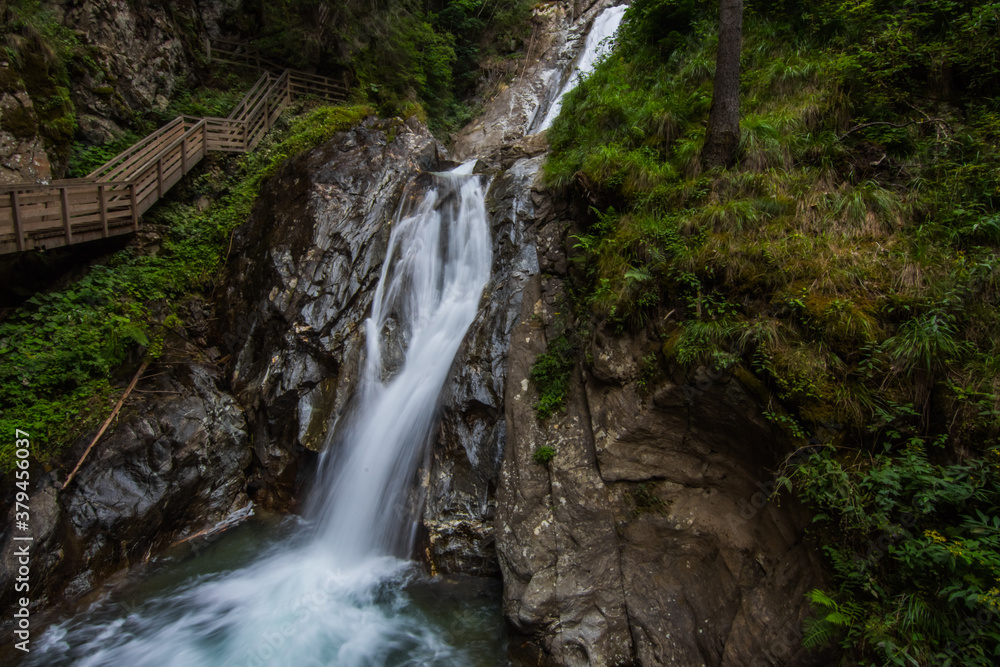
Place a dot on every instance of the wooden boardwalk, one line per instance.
(109, 200)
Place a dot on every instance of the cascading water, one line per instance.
(331, 592)
(605, 26)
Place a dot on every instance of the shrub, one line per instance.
(551, 375)
(543, 455)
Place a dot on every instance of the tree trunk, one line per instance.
(723, 135)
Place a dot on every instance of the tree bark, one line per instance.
(723, 136)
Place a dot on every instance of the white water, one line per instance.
(597, 44)
(332, 594)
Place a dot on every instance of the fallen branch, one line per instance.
(896, 125)
(107, 422)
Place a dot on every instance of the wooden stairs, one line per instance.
(109, 200)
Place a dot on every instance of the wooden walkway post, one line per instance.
(159, 178)
(64, 201)
(135, 206)
(102, 202)
(15, 207)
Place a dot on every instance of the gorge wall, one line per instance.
(647, 539)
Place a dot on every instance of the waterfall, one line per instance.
(331, 592)
(597, 44)
(437, 264)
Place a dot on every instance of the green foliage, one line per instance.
(59, 351)
(849, 260)
(400, 53)
(543, 455)
(85, 159)
(915, 548)
(551, 375)
(645, 500)
(925, 343)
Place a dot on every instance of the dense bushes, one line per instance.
(849, 260)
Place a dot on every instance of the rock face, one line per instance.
(465, 460)
(140, 55)
(173, 464)
(558, 32)
(648, 539)
(305, 270)
(22, 155)
(133, 57)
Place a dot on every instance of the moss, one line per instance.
(543, 455)
(48, 88)
(104, 90)
(10, 80)
(19, 121)
(753, 384)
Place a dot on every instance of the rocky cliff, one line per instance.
(86, 70)
(650, 537)
(303, 273)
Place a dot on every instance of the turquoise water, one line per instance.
(399, 616)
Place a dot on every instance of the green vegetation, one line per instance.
(848, 261)
(86, 158)
(645, 500)
(543, 455)
(59, 351)
(551, 374)
(403, 55)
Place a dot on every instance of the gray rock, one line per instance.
(649, 538)
(557, 31)
(300, 285)
(172, 465)
(465, 460)
(22, 158)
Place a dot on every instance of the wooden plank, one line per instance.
(102, 201)
(16, 213)
(137, 152)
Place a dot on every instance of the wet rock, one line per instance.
(296, 295)
(556, 533)
(465, 461)
(173, 463)
(558, 34)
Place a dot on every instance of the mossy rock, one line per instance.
(19, 121)
(104, 90)
(752, 384)
(10, 80)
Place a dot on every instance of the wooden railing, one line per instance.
(109, 200)
(244, 54)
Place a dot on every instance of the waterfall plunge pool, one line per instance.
(411, 618)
